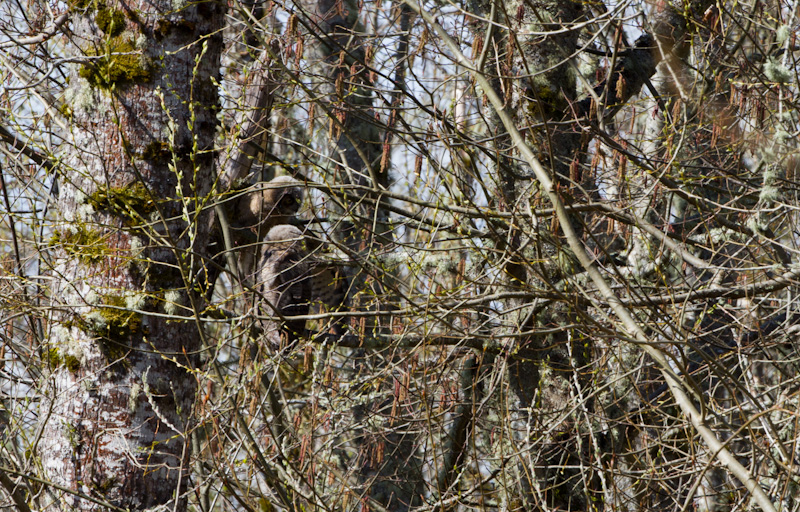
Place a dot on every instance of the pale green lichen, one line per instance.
(137, 247)
(137, 257)
(92, 297)
(133, 398)
(446, 263)
(777, 72)
(141, 41)
(81, 98)
(770, 192)
(173, 302)
(61, 334)
(95, 322)
(80, 197)
(84, 212)
(782, 34)
(69, 345)
(136, 300)
(756, 224)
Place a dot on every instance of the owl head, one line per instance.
(270, 203)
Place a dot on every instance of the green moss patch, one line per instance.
(72, 363)
(157, 152)
(132, 201)
(121, 64)
(55, 359)
(114, 324)
(85, 243)
(120, 322)
(165, 27)
(110, 21)
(85, 4)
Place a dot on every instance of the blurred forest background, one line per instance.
(399, 256)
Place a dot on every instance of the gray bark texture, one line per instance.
(127, 251)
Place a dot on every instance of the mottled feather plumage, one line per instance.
(265, 205)
(284, 280)
(292, 281)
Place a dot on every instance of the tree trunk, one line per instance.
(127, 248)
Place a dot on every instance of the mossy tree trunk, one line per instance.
(126, 256)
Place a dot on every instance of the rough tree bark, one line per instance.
(128, 244)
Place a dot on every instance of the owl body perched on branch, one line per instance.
(291, 282)
(284, 281)
(259, 209)
(241, 223)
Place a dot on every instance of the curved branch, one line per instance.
(41, 37)
(677, 387)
